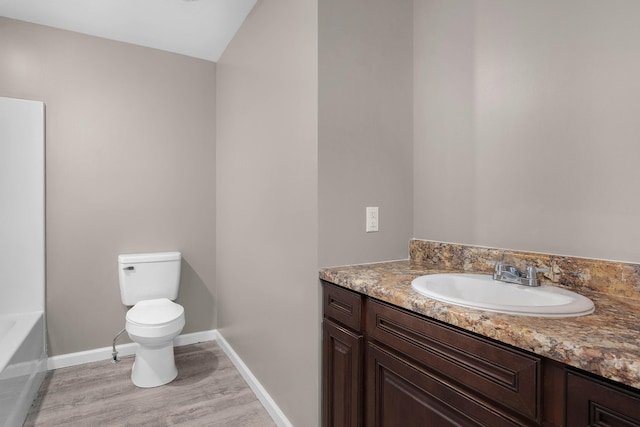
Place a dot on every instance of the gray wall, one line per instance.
(130, 146)
(526, 125)
(365, 128)
(267, 207)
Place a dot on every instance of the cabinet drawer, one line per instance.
(510, 377)
(342, 305)
(592, 402)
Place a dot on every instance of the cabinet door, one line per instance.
(594, 403)
(341, 376)
(497, 374)
(400, 394)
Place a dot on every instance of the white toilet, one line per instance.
(149, 283)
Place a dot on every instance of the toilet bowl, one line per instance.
(153, 324)
(149, 283)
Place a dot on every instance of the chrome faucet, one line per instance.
(510, 274)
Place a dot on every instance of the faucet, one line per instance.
(510, 274)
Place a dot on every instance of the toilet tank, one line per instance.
(148, 276)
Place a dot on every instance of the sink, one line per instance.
(481, 292)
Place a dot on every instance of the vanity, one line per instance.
(392, 357)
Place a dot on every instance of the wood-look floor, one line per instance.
(209, 391)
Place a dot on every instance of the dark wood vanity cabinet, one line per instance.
(342, 358)
(385, 367)
(595, 403)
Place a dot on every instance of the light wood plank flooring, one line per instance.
(209, 391)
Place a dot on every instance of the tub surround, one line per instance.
(605, 343)
(22, 255)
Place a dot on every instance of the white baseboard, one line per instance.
(104, 353)
(269, 404)
(195, 337)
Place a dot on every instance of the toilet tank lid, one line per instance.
(148, 257)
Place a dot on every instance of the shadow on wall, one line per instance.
(197, 300)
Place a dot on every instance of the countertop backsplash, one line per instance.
(610, 277)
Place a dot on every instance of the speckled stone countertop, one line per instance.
(606, 343)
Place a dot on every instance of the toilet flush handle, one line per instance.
(128, 268)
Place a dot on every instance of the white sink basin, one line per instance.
(480, 291)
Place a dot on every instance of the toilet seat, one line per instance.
(155, 320)
(154, 312)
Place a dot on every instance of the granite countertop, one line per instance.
(606, 343)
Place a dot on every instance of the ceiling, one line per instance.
(198, 28)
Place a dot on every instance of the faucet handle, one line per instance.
(501, 267)
(533, 270)
(531, 275)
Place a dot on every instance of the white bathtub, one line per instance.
(22, 364)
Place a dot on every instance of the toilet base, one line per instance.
(154, 365)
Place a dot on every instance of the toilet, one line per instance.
(149, 283)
